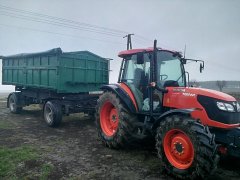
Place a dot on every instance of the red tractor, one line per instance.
(190, 125)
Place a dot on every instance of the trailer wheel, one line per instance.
(13, 103)
(52, 113)
(116, 126)
(186, 148)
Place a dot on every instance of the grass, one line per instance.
(5, 125)
(46, 169)
(11, 157)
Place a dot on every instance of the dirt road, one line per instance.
(74, 151)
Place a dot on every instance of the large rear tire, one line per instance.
(52, 113)
(13, 103)
(115, 124)
(186, 148)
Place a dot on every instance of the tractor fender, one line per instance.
(121, 94)
(170, 113)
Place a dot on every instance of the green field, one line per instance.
(14, 160)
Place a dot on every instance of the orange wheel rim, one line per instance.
(178, 149)
(109, 119)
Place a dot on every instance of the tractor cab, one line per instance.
(139, 70)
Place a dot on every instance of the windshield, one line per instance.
(169, 70)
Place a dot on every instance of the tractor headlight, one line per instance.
(238, 107)
(225, 106)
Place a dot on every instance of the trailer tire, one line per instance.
(116, 126)
(13, 103)
(186, 148)
(52, 113)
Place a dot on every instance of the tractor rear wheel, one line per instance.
(186, 148)
(115, 124)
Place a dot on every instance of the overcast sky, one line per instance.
(210, 30)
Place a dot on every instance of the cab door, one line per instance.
(136, 76)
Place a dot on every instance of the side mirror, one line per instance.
(201, 67)
(184, 61)
(140, 58)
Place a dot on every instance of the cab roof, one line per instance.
(135, 51)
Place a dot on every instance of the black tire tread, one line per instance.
(125, 134)
(16, 96)
(205, 157)
(56, 107)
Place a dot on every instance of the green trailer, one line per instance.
(63, 82)
(71, 72)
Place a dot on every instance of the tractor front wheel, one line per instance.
(115, 124)
(186, 148)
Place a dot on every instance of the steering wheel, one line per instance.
(163, 75)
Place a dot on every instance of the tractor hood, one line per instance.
(210, 93)
(205, 103)
(185, 96)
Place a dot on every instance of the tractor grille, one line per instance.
(216, 114)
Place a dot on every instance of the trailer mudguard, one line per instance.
(122, 95)
(172, 112)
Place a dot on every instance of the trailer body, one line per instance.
(54, 70)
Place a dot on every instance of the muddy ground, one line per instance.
(75, 152)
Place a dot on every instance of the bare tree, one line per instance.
(194, 83)
(221, 84)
